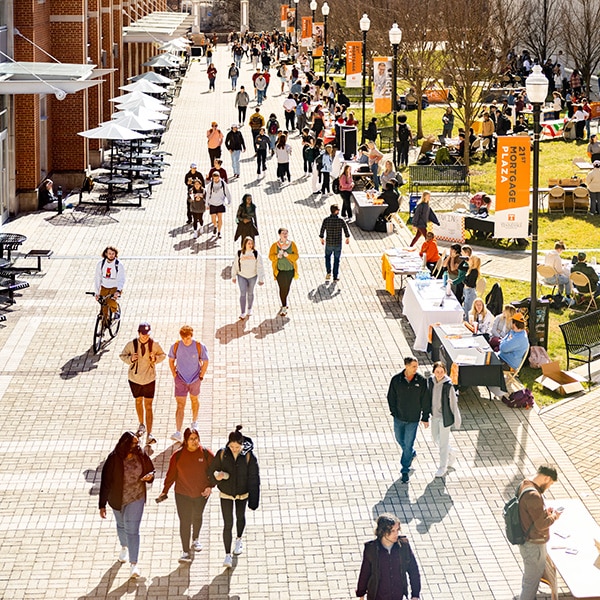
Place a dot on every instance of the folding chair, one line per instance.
(547, 272)
(556, 199)
(581, 281)
(511, 377)
(581, 199)
(439, 265)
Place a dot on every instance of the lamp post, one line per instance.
(313, 8)
(537, 91)
(395, 35)
(365, 24)
(325, 12)
(296, 23)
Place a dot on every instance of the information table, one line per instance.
(366, 211)
(402, 262)
(424, 304)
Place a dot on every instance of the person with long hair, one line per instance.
(246, 219)
(109, 280)
(283, 151)
(422, 216)
(327, 166)
(388, 564)
(284, 258)
(235, 472)
(501, 326)
(125, 474)
(189, 470)
(346, 187)
(481, 320)
(247, 268)
(470, 289)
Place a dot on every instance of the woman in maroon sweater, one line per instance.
(188, 470)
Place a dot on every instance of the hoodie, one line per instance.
(444, 403)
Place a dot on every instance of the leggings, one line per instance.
(421, 231)
(325, 185)
(240, 517)
(283, 169)
(242, 113)
(189, 511)
(197, 218)
(284, 281)
(346, 203)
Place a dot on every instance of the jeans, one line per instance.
(284, 281)
(534, 563)
(237, 61)
(336, 251)
(563, 282)
(375, 171)
(403, 148)
(233, 82)
(211, 83)
(235, 161)
(595, 203)
(246, 291)
(260, 96)
(240, 517)
(189, 511)
(469, 295)
(128, 527)
(441, 438)
(273, 141)
(406, 434)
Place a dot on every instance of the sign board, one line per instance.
(306, 36)
(451, 227)
(318, 38)
(354, 64)
(284, 16)
(382, 84)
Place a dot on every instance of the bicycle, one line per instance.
(104, 325)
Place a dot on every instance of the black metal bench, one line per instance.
(455, 177)
(9, 286)
(582, 339)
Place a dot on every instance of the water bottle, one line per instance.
(448, 288)
(59, 200)
(445, 278)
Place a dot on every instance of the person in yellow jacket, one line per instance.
(284, 256)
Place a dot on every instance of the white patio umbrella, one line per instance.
(140, 111)
(168, 61)
(152, 77)
(175, 46)
(144, 86)
(146, 102)
(131, 96)
(136, 123)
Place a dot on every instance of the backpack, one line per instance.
(403, 132)
(319, 162)
(116, 264)
(519, 399)
(335, 185)
(135, 345)
(273, 127)
(494, 301)
(198, 348)
(512, 519)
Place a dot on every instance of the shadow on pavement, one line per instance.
(324, 292)
(83, 363)
(180, 230)
(312, 201)
(218, 588)
(270, 326)
(231, 331)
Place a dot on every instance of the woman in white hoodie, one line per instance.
(247, 268)
(444, 414)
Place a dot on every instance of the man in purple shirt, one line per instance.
(188, 360)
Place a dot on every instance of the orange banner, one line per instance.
(306, 36)
(318, 38)
(512, 187)
(284, 16)
(291, 19)
(382, 84)
(353, 64)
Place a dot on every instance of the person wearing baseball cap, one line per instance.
(592, 182)
(142, 354)
(190, 177)
(582, 267)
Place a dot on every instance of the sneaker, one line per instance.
(228, 562)
(141, 430)
(116, 315)
(135, 572)
(451, 460)
(214, 230)
(219, 235)
(150, 439)
(195, 234)
(328, 277)
(441, 472)
(194, 425)
(185, 557)
(176, 437)
(196, 546)
(249, 313)
(404, 477)
(239, 546)
(242, 316)
(123, 555)
(282, 311)
(336, 278)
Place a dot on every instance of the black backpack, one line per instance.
(335, 185)
(403, 132)
(319, 162)
(512, 519)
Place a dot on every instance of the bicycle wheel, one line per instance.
(98, 334)
(113, 327)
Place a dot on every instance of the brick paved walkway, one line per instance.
(310, 389)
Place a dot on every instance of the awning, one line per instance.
(158, 27)
(46, 78)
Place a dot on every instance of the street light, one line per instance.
(313, 8)
(537, 91)
(296, 23)
(365, 24)
(395, 34)
(325, 11)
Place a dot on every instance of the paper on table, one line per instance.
(455, 329)
(465, 359)
(466, 342)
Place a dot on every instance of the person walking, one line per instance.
(346, 187)
(261, 145)
(284, 258)
(326, 168)
(422, 216)
(189, 470)
(331, 237)
(233, 74)
(109, 280)
(283, 151)
(142, 354)
(211, 73)
(188, 361)
(246, 219)
(234, 142)
(289, 106)
(260, 84)
(256, 122)
(197, 206)
(444, 413)
(247, 268)
(214, 137)
(409, 404)
(404, 140)
(217, 197)
(593, 183)
(242, 99)
(388, 564)
(125, 474)
(190, 177)
(235, 472)
(273, 130)
(536, 521)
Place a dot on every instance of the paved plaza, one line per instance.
(310, 389)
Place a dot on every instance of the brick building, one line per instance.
(87, 48)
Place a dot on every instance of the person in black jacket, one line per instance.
(409, 404)
(234, 471)
(234, 142)
(422, 216)
(125, 474)
(386, 563)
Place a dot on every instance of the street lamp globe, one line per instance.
(537, 86)
(365, 23)
(313, 5)
(296, 1)
(395, 34)
(325, 9)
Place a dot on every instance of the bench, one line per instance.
(9, 286)
(427, 176)
(582, 339)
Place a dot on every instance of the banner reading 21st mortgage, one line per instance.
(512, 187)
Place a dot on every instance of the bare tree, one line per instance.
(508, 21)
(540, 23)
(582, 36)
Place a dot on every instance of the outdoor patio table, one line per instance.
(366, 211)
(10, 242)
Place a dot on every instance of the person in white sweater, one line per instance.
(561, 278)
(593, 183)
(247, 268)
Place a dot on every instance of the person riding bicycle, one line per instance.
(109, 281)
